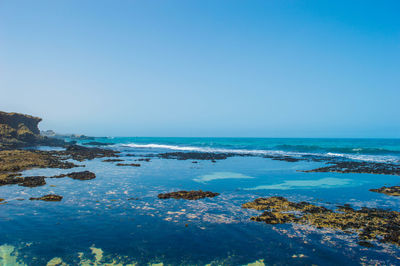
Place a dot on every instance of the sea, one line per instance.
(117, 218)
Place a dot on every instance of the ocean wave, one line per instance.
(342, 150)
(358, 157)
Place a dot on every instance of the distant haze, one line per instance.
(204, 68)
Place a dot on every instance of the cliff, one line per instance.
(20, 130)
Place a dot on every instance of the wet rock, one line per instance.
(85, 175)
(196, 155)
(49, 197)
(13, 162)
(96, 143)
(143, 160)
(128, 164)
(360, 167)
(113, 160)
(188, 195)
(81, 153)
(1, 200)
(390, 191)
(33, 181)
(284, 158)
(369, 223)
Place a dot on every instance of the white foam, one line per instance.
(360, 157)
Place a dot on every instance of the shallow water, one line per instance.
(117, 217)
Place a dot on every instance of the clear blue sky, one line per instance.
(204, 68)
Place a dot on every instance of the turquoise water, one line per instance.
(117, 217)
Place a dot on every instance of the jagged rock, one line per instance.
(20, 130)
(189, 195)
(49, 197)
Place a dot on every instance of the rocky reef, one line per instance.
(49, 197)
(369, 223)
(360, 167)
(390, 191)
(13, 162)
(84, 175)
(188, 195)
(80, 153)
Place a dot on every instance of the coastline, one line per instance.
(20, 151)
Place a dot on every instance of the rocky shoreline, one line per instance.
(371, 224)
(19, 133)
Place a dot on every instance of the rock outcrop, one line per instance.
(50, 197)
(390, 191)
(20, 130)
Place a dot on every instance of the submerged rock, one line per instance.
(128, 164)
(49, 197)
(189, 195)
(369, 223)
(143, 160)
(390, 191)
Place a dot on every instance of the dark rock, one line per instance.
(81, 153)
(143, 160)
(96, 143)
(189, 195)
(360, 167)
(85, 175)
(366, 244)
(113, 160)
(33, 181)
(196, 155)
(128, 164)
(49, 197)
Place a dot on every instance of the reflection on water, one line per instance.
(117, 217)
